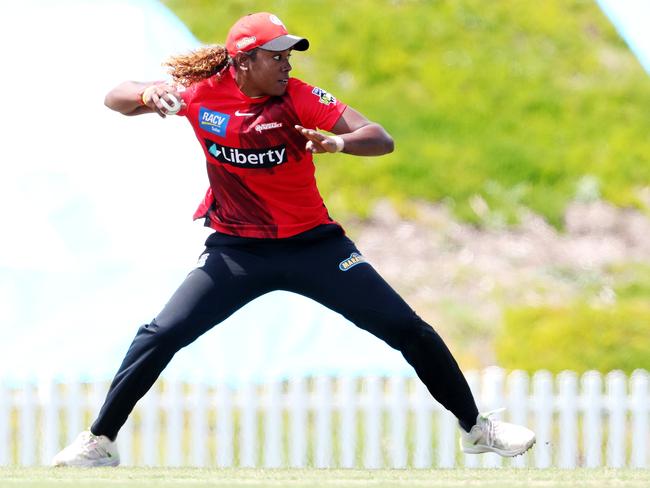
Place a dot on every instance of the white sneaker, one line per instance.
(489, 435)
(87, 451)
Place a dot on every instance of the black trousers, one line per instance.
(319, 264)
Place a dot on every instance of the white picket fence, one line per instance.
(368, 422)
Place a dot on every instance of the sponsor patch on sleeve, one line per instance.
(324, 97)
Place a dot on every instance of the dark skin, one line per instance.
(264, 73)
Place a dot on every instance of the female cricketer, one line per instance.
(259, 129)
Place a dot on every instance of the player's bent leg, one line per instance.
(207, 296)
(350, 286)
(434, 364)
(424, 349)
(334, 273)
(194, 309)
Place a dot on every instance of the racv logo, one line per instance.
(247, 158)
(213, 121)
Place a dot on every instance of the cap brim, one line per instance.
(285, 42)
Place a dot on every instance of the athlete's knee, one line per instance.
(421, 331)
(400, 331)
(168, 335)
(416, 332)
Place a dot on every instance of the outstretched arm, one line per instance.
(136, 98)
(355, 134)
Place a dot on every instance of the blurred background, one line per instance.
(517, 199)
(514, 214)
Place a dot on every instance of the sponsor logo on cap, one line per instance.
(246, 41)
(275, 20)
(354, 259)
(270, 125)
(265, 157)
(213, 121)
(324, 97)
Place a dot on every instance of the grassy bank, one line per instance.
(494, 106)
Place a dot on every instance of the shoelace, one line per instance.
(89, 444)
(489, 427)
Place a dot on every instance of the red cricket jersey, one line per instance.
(262, 181)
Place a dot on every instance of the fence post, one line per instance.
(248, 443)
(298, 417)
(492, 398)
(517, 402)
(199, 423)
(225, 436)
(447, 447)
(98, 391)
(49, 399)
(323, 449)
(27, 424)
(348, 401)
(640, 404)
(174, 402)
(592, 426)
(95, 399)
(5, 407)
(616, 403)
(149, 415)
(568, 403)
(372, 426)
(125, 442)
(543, 402)
(273, 417)
(398, 411)
(423, 414)
(74, 411)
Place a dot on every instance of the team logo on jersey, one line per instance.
(270, 125)
(354, 259)
(213, 121)
(324, 97)
(247, 158)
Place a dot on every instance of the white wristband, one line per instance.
(340, 143)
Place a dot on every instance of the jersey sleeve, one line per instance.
(316, 108)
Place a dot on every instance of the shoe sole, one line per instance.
(100, 464)
(500, 452)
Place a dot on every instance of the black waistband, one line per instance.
(317, 233)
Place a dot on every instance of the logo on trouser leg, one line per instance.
(202, 260)
(352, 261)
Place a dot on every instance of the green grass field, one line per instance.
(314, 478)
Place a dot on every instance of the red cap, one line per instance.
(263, 30)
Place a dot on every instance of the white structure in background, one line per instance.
(368, 422)
(96, 209)
(631, 18)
